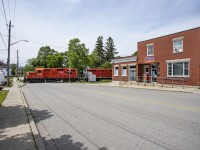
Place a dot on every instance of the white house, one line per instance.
(3, 68)
(2, 78)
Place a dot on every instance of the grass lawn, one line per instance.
(99, 82)
(3, 94)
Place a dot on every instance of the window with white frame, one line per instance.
(178, 45)
(124, 71)
(116, 71)
(150, 50)
(178, 69)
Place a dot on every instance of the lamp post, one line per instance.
(8, 63)
(18, 42)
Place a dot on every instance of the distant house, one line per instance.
(3, 68)
(2, 78)
(124, 68)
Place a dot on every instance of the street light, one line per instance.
(18, 42)
(8, 63)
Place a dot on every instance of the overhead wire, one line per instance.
(1, 11)
(3, 40)
(39, 42)
(9, 8)
(14, 11)
(5, 13)
(5, 17)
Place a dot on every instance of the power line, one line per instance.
(14, 11)
(3, 40)
(1, 11)
(38, 42)
(4, 13)
(9, 8)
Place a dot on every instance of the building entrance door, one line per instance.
(154, 69)
(132, 73)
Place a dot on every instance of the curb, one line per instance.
(36, 136)
(158, 89)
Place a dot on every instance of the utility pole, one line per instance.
(101, 66)
(8, 63)
(17, 66)
(69, 73)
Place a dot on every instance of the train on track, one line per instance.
(65, 75)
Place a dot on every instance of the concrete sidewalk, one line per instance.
(17, 129)
(174, 88)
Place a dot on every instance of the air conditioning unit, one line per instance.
(176, 50)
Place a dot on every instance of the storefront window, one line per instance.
(124, 71)
(115, 71)
(178, 69)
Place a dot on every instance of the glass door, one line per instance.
(154, 72)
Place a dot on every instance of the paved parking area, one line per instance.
(78, 116)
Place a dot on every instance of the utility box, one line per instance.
(91, 78)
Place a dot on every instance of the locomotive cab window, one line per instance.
(39, 71)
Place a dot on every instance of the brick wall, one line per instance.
(163, 50)
(120, 65)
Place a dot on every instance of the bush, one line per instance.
(1, 87)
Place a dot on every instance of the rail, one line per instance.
(152, 80)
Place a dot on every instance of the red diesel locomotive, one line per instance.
(63, 74)
(51, 74)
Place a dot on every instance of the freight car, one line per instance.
(101, 73)
(51, 74)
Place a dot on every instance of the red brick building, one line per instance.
(171, 57)
(124, 68)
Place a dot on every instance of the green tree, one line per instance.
(55, 60)
(33, 62)
(107, 65)
(99, 48)
(13, 69)
(28, 67)
(135, 53)
(94, 60)
(43, 54)
(77, 55)
(65, 59)
(110, 50)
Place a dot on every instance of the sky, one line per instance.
(55, 22)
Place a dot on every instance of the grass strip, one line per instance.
(3, 95)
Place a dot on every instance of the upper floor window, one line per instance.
(150, 50)
(115, 71)
(178, 45)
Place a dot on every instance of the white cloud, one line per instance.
(127, 22)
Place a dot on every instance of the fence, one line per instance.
(152, 80)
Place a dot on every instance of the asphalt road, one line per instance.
(91, 117)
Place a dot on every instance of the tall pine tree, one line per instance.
(99, 48)
(110, 50)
